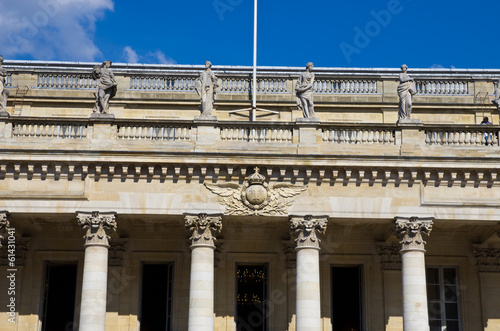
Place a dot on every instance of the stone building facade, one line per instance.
(352, 222)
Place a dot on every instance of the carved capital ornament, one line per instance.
(203, 228)
(410, 231)
(306, 229)
(98, 227)
(4, 224)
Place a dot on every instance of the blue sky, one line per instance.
(362, 33)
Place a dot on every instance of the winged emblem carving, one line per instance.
(255, 197)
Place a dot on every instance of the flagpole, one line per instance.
(254, 83)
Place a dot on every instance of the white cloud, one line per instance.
(51, 29)
(130, 55)
(162, 59)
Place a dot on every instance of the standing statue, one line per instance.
(406, 91)
(496, 100)
(107, 86)
(4, 94)
(206, 86)
(304, 91)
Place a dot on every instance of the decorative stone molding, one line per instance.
(22, 246)
(390, 258)
(306, 228)
(289, 250)
(255, 197)
(4, 223)
(98, 226)
(488, 258)
(410, 229)
(203, 228)
(117, 249)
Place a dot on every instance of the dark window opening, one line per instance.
(59, 297)
(157, 297)
(346, 299)
(251, 298)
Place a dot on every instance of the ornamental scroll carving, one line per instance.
(488, 258)
(306, 230)
(410, 231)
(98, 227)
(255, 197)
(203, 228)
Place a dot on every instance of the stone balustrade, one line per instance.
(347, 86)
(444, 87)
(54, 130)
(252, 133)
(66, 81)
(462, 136)
(349, 135)
(158, 132)
(162, 83)
(270, 80)
(256, 134)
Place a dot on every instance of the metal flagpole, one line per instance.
(254, 83)
(253, 111)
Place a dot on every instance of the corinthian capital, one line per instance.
(409, 230)
(98, 227)
(203, 228)
(306, 230)
(4, 224)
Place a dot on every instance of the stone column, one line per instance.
(203, 228)
(4, 224)
(308, 307)
(410, 231)
(98, 227)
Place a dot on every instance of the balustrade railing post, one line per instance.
(206, 132)
(309, 135)
(412, 136)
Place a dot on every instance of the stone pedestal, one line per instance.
(308, 304)
(201, 290)
(410, 231)
(98, 226)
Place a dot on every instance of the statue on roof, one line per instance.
(406, 91)
(4, 94)
(206, 86)
(106, 88)
(304, 91)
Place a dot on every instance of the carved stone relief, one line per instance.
(98, 227)
(410, 231)
(390, 258)
(255, 197)
(306, 230)
(203, 228)
(488, 258)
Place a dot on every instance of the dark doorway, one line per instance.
(346, 299)
(59, 297)
(156, 302)
(251, 296)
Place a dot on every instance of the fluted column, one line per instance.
(4, 224)
(410, 231)
(98, 227)
(308, 307)
(203, 229)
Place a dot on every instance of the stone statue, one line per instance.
(206, 86)
(304, 91)
(4, 94)
(406, 91)
(496, 100)
(107, 86)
